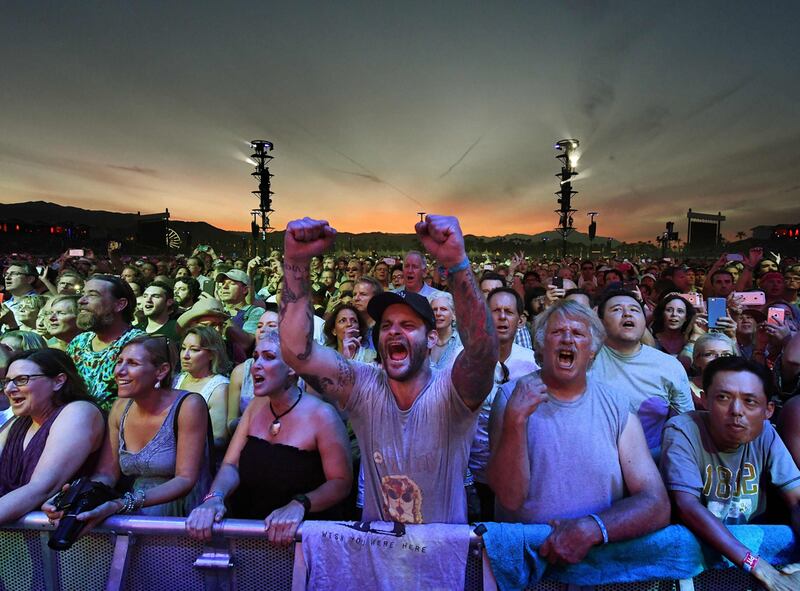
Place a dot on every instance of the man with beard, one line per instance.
(157, 308)
(105, 312)
(186, 292)
(413, 423)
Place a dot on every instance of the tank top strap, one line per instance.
(121, 433)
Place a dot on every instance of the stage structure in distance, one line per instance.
(260, 224)
(704, 232)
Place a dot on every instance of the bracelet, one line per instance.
(601, 525)
(138, 499)
(459, 267)
(212, 494)
(750, 561)
(305, 501)
(127, 503)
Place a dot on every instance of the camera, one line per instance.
(82, 495)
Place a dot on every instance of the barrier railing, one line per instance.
(137, 553)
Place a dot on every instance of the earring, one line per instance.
(157, 384)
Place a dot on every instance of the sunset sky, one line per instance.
(382, 109)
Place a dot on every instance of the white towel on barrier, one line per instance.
(384, 556)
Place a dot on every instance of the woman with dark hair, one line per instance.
(672, 316)
(345, 331)
(288, 459)
(41, 446)
(205, 368)
(157, 437)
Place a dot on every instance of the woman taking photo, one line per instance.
(41, 447)
(345, 332)
(448, 343)
(204, 369)
(288, 460)
(157, 438)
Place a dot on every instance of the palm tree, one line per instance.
(740, 235)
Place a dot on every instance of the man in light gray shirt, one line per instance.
(565, 447)
(655, 384)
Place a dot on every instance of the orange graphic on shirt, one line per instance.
(402, 498)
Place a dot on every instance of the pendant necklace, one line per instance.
(275, 427)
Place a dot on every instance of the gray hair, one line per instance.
(711, 337)
(573, 311)
(443, 295)
(416, 253)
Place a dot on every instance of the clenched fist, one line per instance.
(307, 238)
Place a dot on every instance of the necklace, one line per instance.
(275, 427)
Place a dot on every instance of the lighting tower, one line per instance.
(569, 158)
(260, 225)
(592, 230)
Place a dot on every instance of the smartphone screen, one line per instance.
(776, 316)
(717, 308)
(76, 252)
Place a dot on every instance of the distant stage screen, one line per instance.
(702, 234)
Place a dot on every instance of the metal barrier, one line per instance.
(136, 553)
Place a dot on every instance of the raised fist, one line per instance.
(307, 238)
(442, 238)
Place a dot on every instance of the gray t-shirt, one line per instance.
(655, 383)
(573, 451)
(729, 484)
(414, 460)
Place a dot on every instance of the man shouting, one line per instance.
(414, 424)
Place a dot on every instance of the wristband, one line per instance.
(459, 267)
(750, 561)
(212, 494)
(305, 501)
(601, 525)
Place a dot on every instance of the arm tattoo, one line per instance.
(332, 385)
(309, 335)
(473, 371)
(296, 288)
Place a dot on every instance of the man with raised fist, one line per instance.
(414, 424)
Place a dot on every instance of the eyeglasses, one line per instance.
(715, 354)
(17, 274)
(20, 380)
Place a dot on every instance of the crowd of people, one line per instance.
(606, 397)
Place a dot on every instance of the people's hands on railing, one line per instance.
(570, 540)
(785, 579)
(92, 518)
(201, 521)
(281, 525)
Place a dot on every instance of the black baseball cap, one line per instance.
(420, 304)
